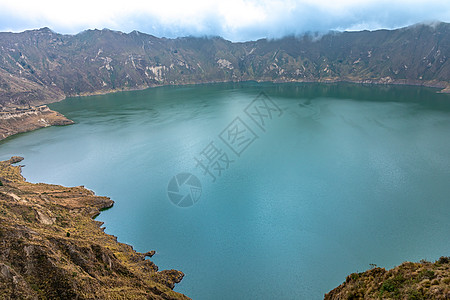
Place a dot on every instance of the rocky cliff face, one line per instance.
(17, 120)
(41, 66)
(51, 248)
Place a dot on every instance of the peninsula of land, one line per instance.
(15, 120)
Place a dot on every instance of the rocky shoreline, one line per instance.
(50, 247)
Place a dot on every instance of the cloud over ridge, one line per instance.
(237, 20)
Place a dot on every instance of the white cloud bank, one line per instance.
(236, 20)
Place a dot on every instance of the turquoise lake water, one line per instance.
(313, 183)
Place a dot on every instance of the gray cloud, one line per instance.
(237, 20)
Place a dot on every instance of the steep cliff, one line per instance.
(51, 248)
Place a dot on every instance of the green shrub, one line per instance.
(415, 295)
(442, 259)
(427, 274)
(392, 285)
(388, 286)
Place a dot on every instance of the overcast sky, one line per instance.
(236, 20)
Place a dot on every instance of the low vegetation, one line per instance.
(412, 281)
(51, 248)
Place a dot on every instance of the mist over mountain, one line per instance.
(41, 66)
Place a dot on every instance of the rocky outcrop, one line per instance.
(16, 120)
(424, 280)
(446, 90)
(150, 253)
(51, 248)
(15, 159)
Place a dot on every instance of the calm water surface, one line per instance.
(347, 176)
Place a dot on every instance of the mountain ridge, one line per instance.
(42, 66)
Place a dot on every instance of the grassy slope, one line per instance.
(424, 280)
(50, 247)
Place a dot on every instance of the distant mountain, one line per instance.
(41, 66)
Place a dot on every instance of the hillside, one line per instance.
(412, 281)
(51, 248)
(41, 66)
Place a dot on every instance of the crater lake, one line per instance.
(259, 190)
